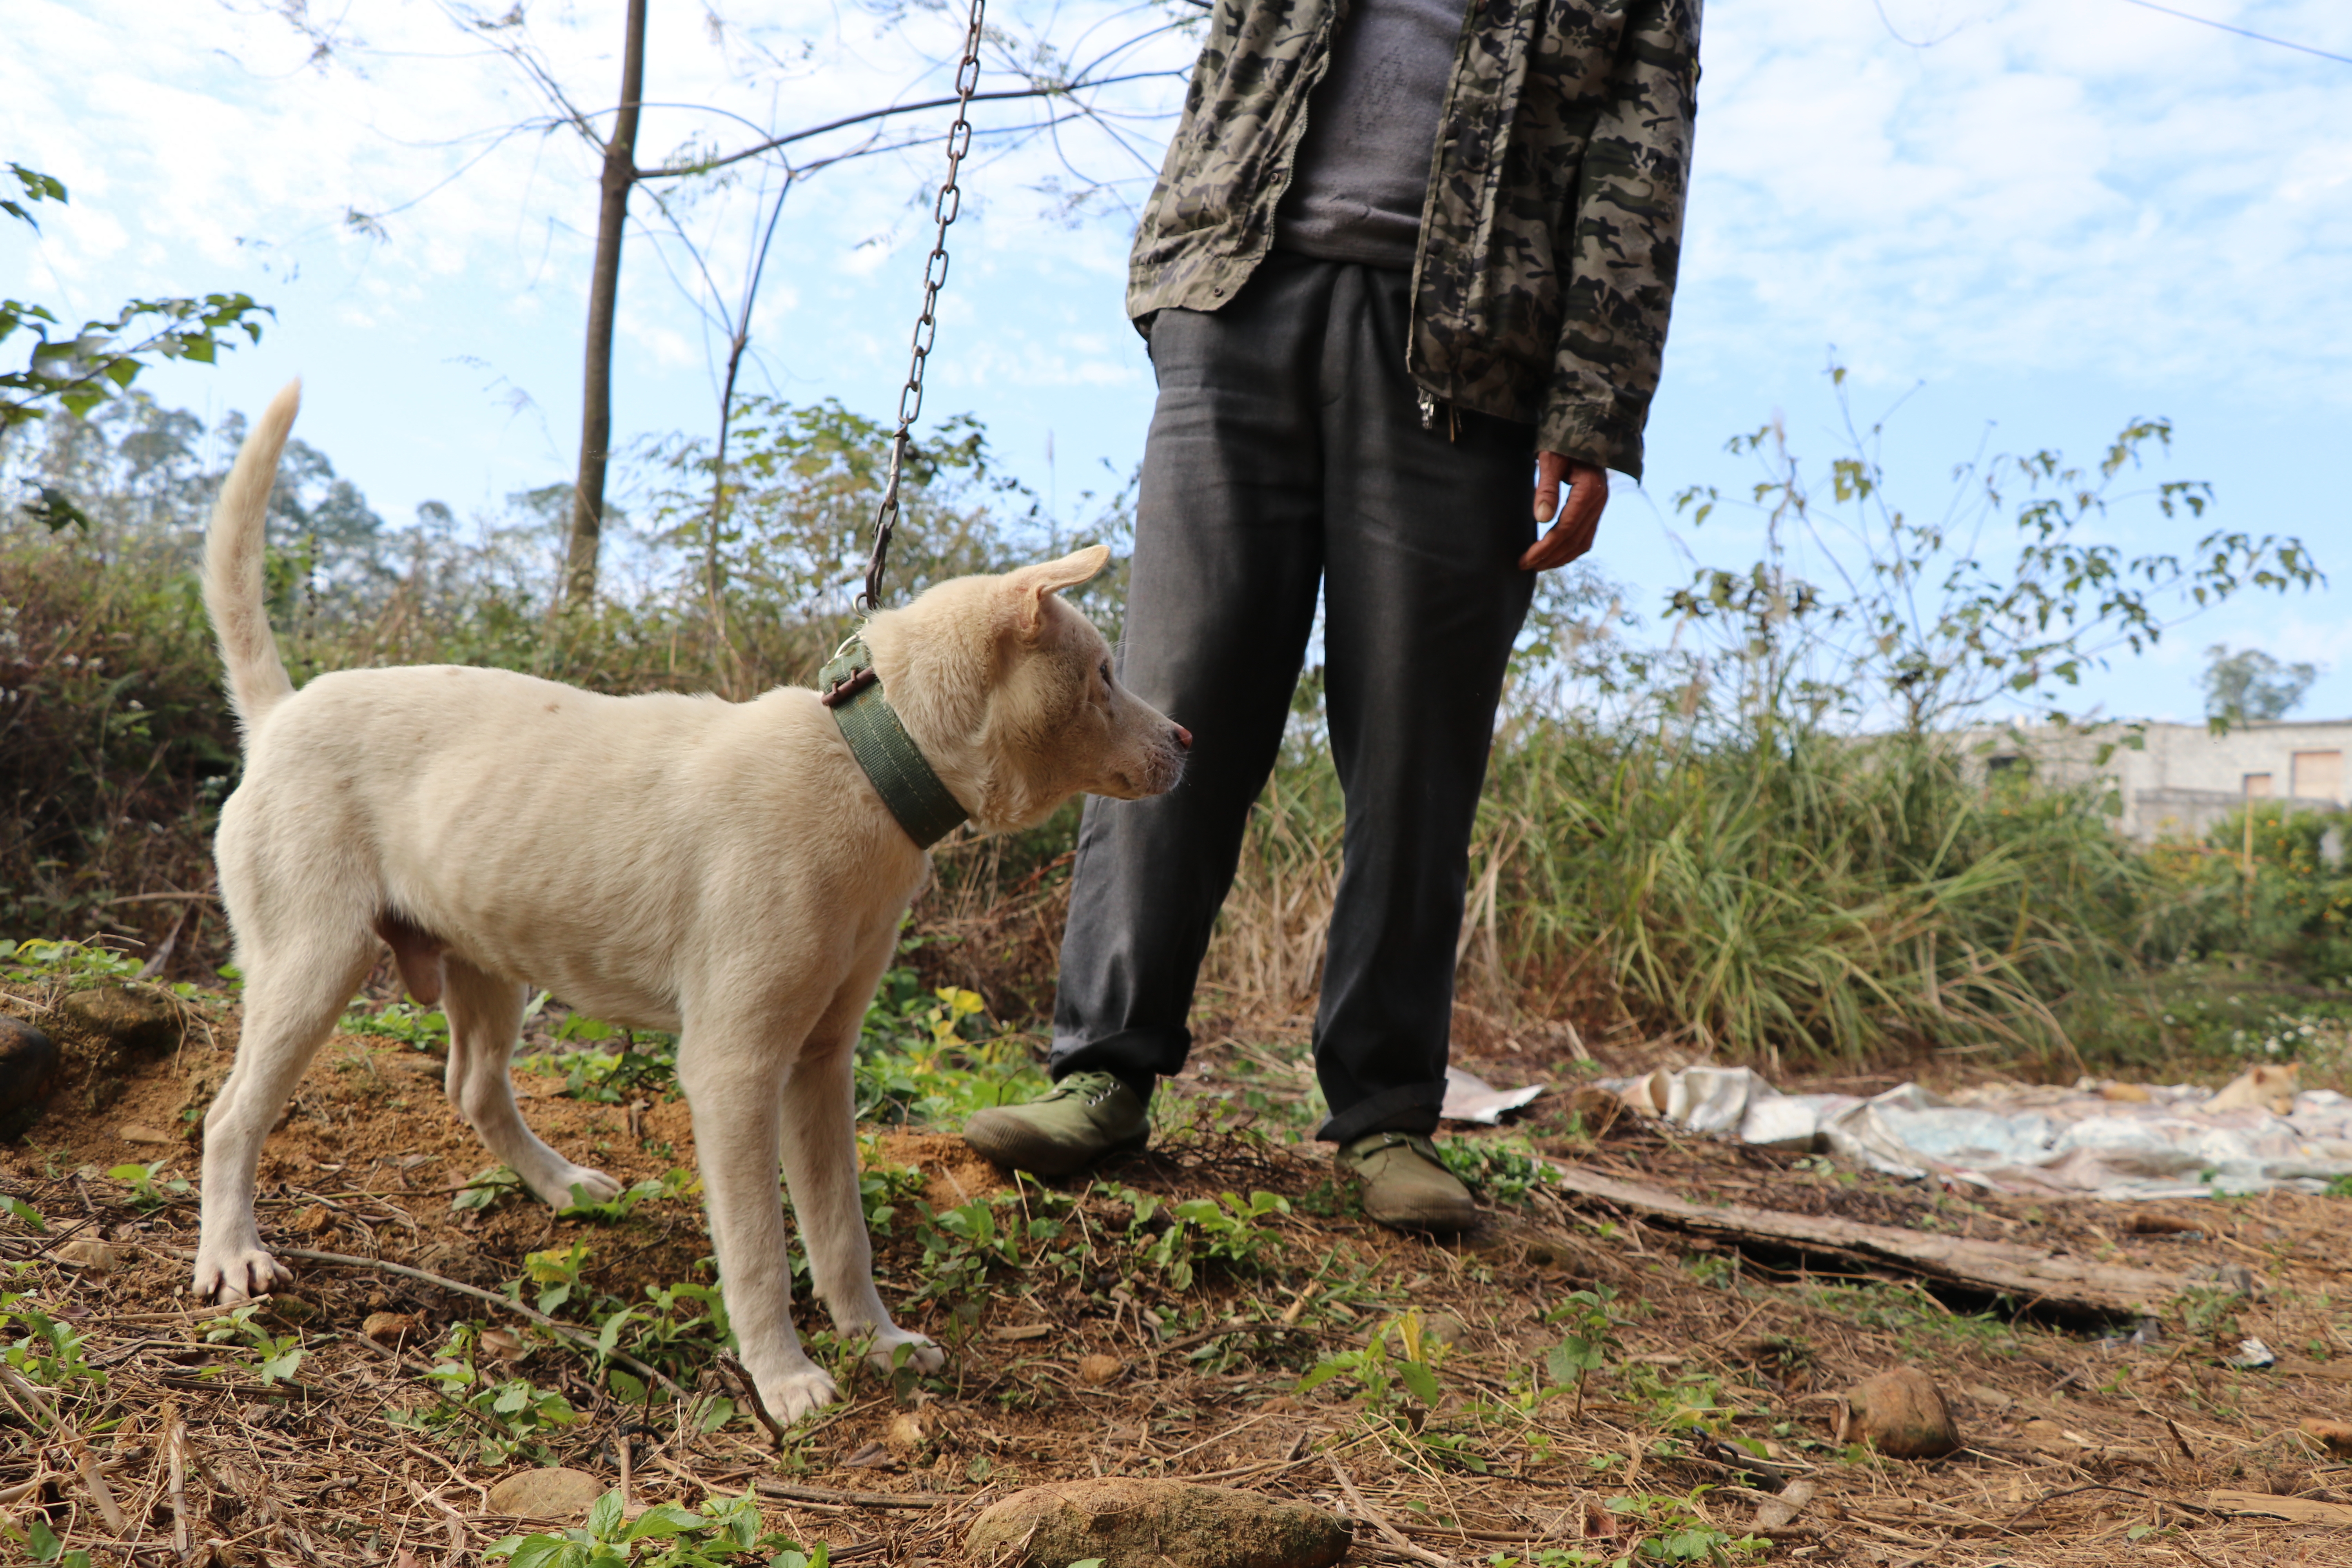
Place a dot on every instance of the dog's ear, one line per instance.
(1030, 584)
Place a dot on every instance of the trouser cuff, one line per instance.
(1411, 1110)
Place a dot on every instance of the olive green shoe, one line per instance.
(1404, 1184)
(1084, 1117)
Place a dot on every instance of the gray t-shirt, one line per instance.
(1362, 169)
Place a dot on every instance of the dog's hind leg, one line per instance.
(293, 995)
(729, 1072)
(821, 1165)
(484, 1017)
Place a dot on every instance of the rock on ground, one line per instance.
(1132, 1523)
(1902, 1413)
(30, 1072)
(134, 1023)
(553, 1493)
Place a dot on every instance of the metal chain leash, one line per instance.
(935, 274)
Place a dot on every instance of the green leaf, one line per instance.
(55, 511)
(1323, 1373)
(664, 1520)
(605, 1515)
(1416, 1376)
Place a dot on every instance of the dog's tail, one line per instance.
(234, 595)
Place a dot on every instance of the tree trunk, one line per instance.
(604, 291)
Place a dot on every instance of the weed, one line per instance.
(49, 1351)
(556, 1272)
(499, 1418)
(1925, 1327)
(1504, 1170)
(73, 962)
(485, 1188)
(1180, 1239)
(647, 1062)
(402, 1021)
(2210, 1311)
(1691, 1402)
(23, 1213)
(1592, 1336)
(275, 1358)
(675, 1183)
(1378, 1374)
(1674, 1531)
(927, 1058)
(722, 1532)
(149, 1190)
(41, 1544)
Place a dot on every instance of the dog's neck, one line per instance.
(932, 671)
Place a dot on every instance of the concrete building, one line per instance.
(2182, 779)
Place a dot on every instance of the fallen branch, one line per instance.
(2036, 1275)
(1387, 1532)
(561, 1331)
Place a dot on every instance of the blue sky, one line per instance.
(2024, 222)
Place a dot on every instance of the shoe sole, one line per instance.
(1452, 1222)
(1014, 1146)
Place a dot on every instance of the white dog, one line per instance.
(722, 869)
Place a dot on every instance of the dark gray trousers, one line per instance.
(1286, 450)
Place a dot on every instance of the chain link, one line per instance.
(944, 208)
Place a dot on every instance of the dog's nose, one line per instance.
(1183, 738)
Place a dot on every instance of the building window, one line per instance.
(2004, 764)
(2258, 786)
(2319, 776)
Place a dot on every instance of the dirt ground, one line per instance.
(1717, 1389)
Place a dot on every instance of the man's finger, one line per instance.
(1551, 468)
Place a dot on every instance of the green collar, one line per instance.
(894, 764)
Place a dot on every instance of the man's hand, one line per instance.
(1571, 532)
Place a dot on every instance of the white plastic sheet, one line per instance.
(2024, 1139)
(1469, 1097)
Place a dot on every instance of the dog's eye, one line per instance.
(1106, 672)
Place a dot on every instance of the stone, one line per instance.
(1135, 1523)
(134, 1023)
(557, 1492)
(140, 1132)
(91, 1257)
(388, 1328)
(906, 1433)
(1902, 1413)
(1094, 1371)
(30, 1074)
(2333, 1436)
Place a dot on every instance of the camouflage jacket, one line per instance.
(1553, 221)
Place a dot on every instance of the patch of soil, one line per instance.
(1718, 1390)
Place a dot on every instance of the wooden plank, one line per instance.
(2294, 1510)
(2035, 1276)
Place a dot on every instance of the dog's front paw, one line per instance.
(798, 1393)
(882, 1348)
(239, 1274)
(568, 1185)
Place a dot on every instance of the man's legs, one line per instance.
(1228, 553)
(1423, 596)
(1288, 435)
